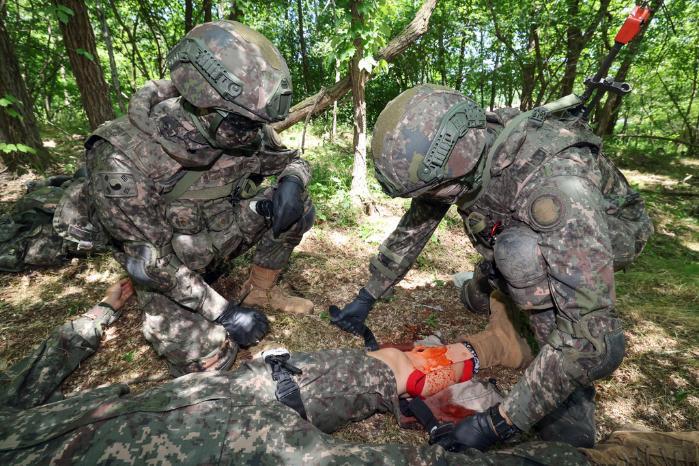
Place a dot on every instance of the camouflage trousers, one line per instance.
(214, 417)
(547, 382)
(184, 337)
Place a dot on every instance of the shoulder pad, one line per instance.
(549, 206)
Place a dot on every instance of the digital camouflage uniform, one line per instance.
(555, 221)
(167, 243)
(31, 234)
(211, 417)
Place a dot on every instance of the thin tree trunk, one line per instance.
(79, 41)
(608, 115)
(235, 13)
(417, 27)
(462, 57)
(359, 77)
(493, 81)
(188, 12)
(442, 53)
(302, 43)
(132, 39)
(207, 11)
(107, 36)
(19, 128)
(333, 133)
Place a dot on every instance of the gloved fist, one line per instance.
(244, 326)
(287, 204)
(351, 318)
(482, 430)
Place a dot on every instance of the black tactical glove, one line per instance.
(482, 430)
(287, 204)
(244, 326)
(351, 318)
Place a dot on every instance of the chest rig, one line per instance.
(198, 191)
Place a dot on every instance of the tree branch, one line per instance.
(317, 103)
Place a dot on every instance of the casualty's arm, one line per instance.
(34, 379)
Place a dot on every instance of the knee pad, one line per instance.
(475, 293)
(292, 237)
(606, 336)
(437, 367)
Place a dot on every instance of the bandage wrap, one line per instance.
(437, 367)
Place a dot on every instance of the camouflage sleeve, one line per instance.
(399, 251)
(130, 208)
(33, 380)
(579, 253)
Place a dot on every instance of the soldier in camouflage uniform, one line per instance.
(553, 219)
(177, 185)
(235, 418)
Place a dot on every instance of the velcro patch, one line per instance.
(114, 184)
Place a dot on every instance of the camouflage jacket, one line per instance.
(132, 170)
(556, 218)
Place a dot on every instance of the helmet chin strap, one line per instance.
(208, 133)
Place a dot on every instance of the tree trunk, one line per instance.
(302, 43)
(462, 57)
(207, 11)
(609, 114)
(79, 41)
(107, 36)
(417, 27)
(576, 40)
(333, 133)
(235, 13)
(17, 121)
(359, 78)
(135, 53)
(188, 12)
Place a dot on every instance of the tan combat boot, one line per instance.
(260, 291)
(500, 344)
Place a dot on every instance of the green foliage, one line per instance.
(10, 148)
(500, 52)
(63, 13)
(330, 186)
(85, 54)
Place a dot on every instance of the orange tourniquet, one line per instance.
(437, 367)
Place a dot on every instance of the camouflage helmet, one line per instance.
(427, 136)
(226, 66)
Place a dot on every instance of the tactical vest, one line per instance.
(197, 194)
(528, 142)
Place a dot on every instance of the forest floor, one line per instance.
(656, 387)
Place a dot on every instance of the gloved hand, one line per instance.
(482, 430)
(351, 318)
(287, 204)
(245, 326)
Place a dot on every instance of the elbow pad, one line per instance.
(151, 267)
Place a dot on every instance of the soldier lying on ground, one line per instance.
(235, 418)
(553, 219)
